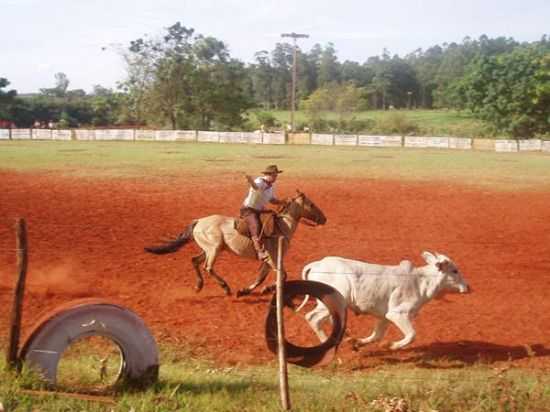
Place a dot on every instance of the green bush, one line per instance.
(267, 119)
(358, 125)
(396, 123)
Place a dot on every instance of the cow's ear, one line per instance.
(443, 266)
(429, 258)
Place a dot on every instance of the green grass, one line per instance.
(429, 116)
(429, 122)
(196, 385)
(507, 171)
(193, 384)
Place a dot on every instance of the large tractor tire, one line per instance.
(56, 331)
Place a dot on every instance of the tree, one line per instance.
(281, 60)
(511, 91)
(105, 106)
(307, 75)
(7, 100)
(344, 99)
(154, 85)
(318, 102)
(348, 99)
(361, 75)
(185, 80)
(219, 97)
(61, 83)
(456, 60)
(426, 65)
(403, 85)
(314, 62)
(262, 79)
(329, 68)
(379, 86)
(61, 86)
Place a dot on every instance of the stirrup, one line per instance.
(263, 255)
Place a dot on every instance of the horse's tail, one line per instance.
(174, 244)
(305, 272)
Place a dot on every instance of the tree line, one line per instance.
(186, 80)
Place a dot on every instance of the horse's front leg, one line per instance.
(269, 289)
(264, 271)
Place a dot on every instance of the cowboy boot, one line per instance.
(260, 250)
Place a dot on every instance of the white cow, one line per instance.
(391, 293)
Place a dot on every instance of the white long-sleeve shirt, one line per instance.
(257, 199)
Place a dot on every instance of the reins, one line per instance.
(284, 212)
(308, 222)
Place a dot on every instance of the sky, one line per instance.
(82, 38)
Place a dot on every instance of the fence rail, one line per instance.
(458, 143)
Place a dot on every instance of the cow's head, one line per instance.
(452, 278)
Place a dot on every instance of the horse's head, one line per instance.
(308, 210)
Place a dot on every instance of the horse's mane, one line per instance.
(283, 209)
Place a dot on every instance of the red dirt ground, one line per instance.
(86, 238)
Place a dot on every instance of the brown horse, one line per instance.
(215, 233)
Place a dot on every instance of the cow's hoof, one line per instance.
(227, 291)
(198, 288)
(352, 342)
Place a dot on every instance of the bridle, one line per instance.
(305, 221)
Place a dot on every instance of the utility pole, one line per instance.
(294, 36)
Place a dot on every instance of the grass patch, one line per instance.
(196, 385)
(429, 122)
(508, 171)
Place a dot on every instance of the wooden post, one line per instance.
(15, 322)
(283, 373)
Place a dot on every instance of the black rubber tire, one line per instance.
(336, 304)
(54, 333)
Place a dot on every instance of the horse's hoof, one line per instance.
(242, 292)
(227, 291)
(198, 288)
(268, 290)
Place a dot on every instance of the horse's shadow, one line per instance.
(459, 354)
(253, 299)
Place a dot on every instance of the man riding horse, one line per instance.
(260, 193)
(216, 233)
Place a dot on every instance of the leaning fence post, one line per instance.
(283, 373)
(15, 322)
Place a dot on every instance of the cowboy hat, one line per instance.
(271, 170)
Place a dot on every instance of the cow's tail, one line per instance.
(305, 272)
(174, 244)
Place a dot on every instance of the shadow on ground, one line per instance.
(457, 354)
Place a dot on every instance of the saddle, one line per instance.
(267, 222)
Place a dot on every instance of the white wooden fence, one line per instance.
(422, 142)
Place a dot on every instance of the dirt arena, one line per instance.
(86, 238)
